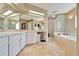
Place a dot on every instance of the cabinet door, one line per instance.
(23, 40)
(3, 46)
(14, 45)
(31, 38)
(34, 37)
(16, 48)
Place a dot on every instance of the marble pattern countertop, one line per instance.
(8, 33)
(11, 32)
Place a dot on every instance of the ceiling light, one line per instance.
(15, 18)
(53, 16)
(34, 15)
(7, 12)
(13, 22)
(36, 12)
(15, 14)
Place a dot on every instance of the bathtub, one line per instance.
(68, 36)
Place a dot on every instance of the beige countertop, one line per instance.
(24, 31)
(8, 33)
(32, 31)
(11, 32)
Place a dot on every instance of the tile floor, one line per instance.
(44, 49)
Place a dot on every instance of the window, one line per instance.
(17, 26)
(75, 21)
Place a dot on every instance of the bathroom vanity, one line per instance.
(11, 43)
(21, 28)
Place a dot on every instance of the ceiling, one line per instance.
(56, 8)
(52, 8)
(2, 8)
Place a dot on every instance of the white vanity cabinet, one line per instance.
(34, 38)
(4, 46)
(14, 44)
(31, 37)
(23, 39)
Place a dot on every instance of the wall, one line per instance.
(51, 27)
(70, 21)
(78, 29)
(60, 23)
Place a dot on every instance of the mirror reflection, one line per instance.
(1, 22)
(30, 21)
(14, 18)
(13, 21)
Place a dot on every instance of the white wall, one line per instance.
(60, 24)
(51, 27)
(57, 25)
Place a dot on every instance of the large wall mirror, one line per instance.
(31, 21)
(13, 21)
(16, 18)
(1, 22)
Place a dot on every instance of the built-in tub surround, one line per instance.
(67, 36)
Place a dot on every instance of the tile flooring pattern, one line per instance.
(43, 49)
(46, 49)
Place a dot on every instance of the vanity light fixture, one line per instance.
(31, 11)
(31, 14)
(7, 12)
(55, 16)
(76, 22)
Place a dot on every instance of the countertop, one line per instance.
(8, 33)
(32, 31)
(11, 32)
